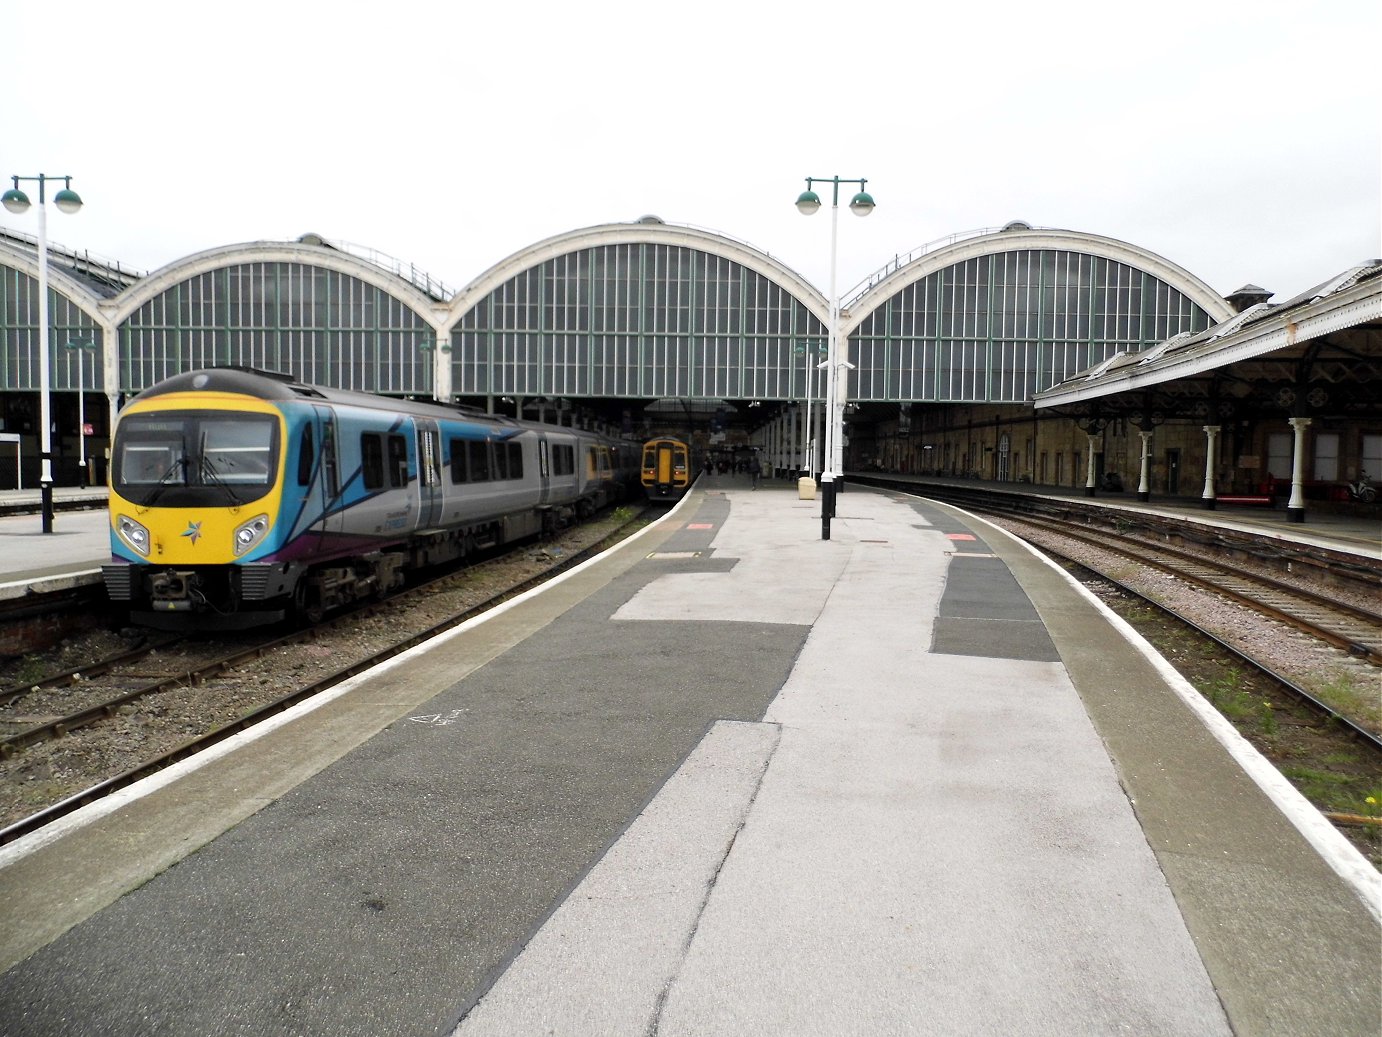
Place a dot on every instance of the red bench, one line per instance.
(1246, 498)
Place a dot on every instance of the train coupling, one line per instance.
(171, 591)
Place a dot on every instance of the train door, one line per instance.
(324, 492)
(428, 473)
(544, 472)
(659, 462)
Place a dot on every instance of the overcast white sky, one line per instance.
(1242, 141)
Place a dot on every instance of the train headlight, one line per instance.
(247, 534)
(132, 533)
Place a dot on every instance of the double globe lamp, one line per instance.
(67, 201)
(808, 202)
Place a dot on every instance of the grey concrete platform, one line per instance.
(729, 778)
(34, 562)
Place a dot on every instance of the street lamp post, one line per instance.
(808, 202)
(68, 201)
(82, 346)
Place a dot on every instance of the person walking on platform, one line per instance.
(755, 470)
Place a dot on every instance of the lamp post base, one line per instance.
(46, 496)
(827, 507)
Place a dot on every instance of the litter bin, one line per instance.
(806, 488)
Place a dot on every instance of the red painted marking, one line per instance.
(959, 536)
(711, 525)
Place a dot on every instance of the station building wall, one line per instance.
(1014, 443)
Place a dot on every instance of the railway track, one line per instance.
(1211, 580)
(111, 689)
(1353, 629)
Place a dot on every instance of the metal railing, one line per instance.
(903, 259)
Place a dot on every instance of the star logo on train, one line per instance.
(193, 531)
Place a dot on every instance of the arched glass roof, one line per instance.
(626, 311)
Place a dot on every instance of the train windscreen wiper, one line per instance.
(206, 471)
(164, 480)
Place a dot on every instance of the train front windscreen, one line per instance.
(194, 458)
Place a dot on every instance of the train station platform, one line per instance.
(79, 543)
(726, 778)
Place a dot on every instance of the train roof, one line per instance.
(278, 385)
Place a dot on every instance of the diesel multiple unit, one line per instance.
(667, 469)
(241, 496)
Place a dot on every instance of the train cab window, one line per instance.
(372, 460)
(306, 456)
(237, 452)
(150, 463)
(398, 461)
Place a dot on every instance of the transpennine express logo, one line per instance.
(193, 531)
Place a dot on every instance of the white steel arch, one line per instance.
(1022, 238)
(79, 293)
(128, 302)
(638, 233)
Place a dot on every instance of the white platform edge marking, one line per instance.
(37, 580)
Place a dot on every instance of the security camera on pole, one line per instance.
(835, 364)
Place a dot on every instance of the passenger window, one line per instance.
(372, 460)
(515, 460)
(479, 461)
(458, 462)
(398, 462)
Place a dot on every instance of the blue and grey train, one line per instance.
(240, 497)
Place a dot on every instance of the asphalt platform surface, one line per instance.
(730, 778)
